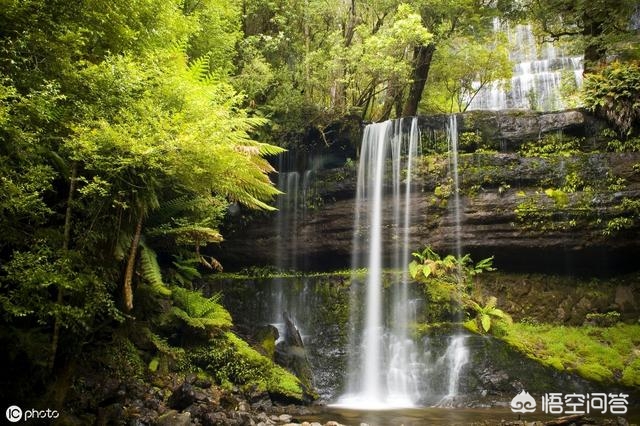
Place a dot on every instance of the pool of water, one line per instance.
(436, 416)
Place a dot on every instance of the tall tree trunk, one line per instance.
(66, 241)
(421, 65)
(594, 52)
(127, 289)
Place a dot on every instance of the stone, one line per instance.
(214, 419)
(244, 406)
(173, 418)
(285, 418)
(625, 299)
(183, 396)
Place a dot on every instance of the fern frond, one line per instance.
(151, 271)
(199, 69)
(185, 271)
(172, 208)
(200, 312)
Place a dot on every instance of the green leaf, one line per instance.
(153, 365)
(413, 269)
(486, 322)
(426, 271)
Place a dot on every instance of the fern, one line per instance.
(185, 271)
(199, 69)
(199, 312)
(151, 271)
(173, 208)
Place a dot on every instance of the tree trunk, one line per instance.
(127, 289)
(66, 240)
(421, 66)
(594, 52)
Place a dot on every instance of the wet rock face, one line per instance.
(514, 127)
(505, 213)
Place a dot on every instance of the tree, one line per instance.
(603, 26)
(463, 66)
(106, 121)
(443, 20)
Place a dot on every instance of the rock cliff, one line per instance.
(573, 211)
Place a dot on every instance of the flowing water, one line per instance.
(383, 366)
(296, 188)
(387, 367)
(538, 75)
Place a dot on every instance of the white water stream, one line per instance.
(386, 367)
(538, 74)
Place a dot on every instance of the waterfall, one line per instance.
(383, 367)
(297, 188)
(457, 354)
(537, 75)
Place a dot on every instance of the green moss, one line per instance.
(230, 360)
(122, 359)
(605, 355)
(595, 372)
(631, 374)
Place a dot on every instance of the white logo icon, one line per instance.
(523, 403)
(14, 414)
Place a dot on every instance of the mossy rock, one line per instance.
(595, 372)
(631, 374)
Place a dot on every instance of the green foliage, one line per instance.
(552, 144)
(488, 314)
(151, 271)
(448, 283)
(462, 66)
(429, 263)
(30, 276)
(600, 27)
(614, 92)
(198, 312)
(627, 145)
(184, 271)
(603, 320)
(118, 126)
(121, 359)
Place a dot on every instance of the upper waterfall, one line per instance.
(538, 74)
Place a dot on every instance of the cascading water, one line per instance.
(286, 223)
(383, 366)
(537, 75)
(457, 354)
(296, 188)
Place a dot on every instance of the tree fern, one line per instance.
(151, 271)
